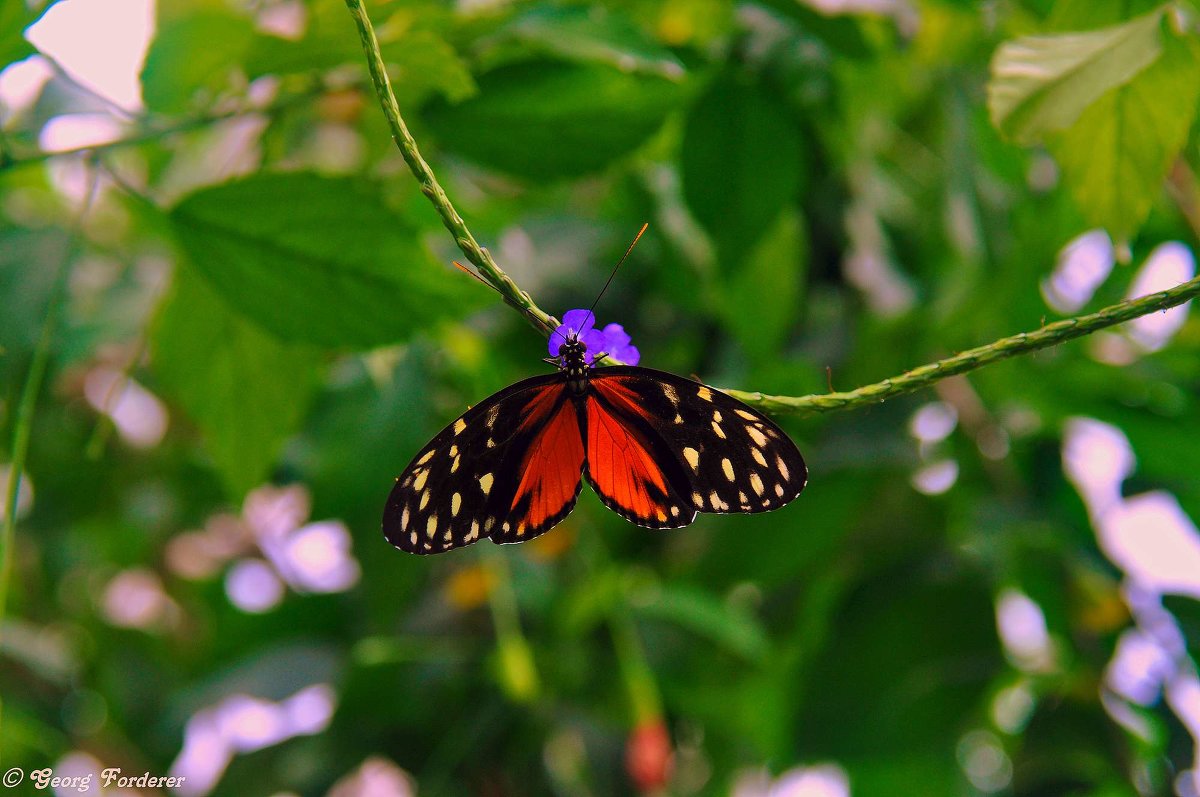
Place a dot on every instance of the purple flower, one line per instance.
(616, 344)
(581, 324)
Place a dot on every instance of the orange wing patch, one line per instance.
(549, 473)
(624, 473)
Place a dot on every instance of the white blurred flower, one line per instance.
(375, 777)
(1022, 627)
(243, 724)
(253, 586)
(1167, 266)
(1083, 265)
(135, 598)
(822, 780)
(139, 417)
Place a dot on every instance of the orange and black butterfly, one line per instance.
(657, 449)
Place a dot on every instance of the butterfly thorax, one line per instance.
(574, 365)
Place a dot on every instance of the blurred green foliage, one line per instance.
(832, 199)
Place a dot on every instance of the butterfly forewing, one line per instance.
(501, 470)
(718, 454)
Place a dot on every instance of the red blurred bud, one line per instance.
(649, 756)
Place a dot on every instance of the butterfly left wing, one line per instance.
(508, 469)
(714, 453)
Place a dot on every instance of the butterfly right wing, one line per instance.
(501, 470)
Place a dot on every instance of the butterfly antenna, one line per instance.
(636, 238)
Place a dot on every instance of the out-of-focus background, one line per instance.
(989, 587)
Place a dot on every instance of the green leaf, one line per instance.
(14, 19)
(1114, 158)
(192, 52)
(29, 265)
(761, 298)
(548, 119)
(244, 389)
(732, 628)
(842, 32)
(318, 259)
(584, 34)
(419, 62)
(1042, 84)
(742, 162)
(1073, 15)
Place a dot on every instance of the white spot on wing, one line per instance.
(425, 458)
(727, 466)
(758, 457)
(669, 392)
(485, 483)
(756, 483)
(783, 468)
(422, 475)
(747, 415)
(404, 517)
(424, 499)
(459, 425)
(757, 436)
(704, 393)
(692, 456)
(717, 428)
(431, 526)
(455, 504)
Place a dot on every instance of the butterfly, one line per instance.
(656, 448)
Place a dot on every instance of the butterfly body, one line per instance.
(655, 447)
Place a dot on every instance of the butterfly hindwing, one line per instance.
(633, 470)
(722, 456)
(500, 470)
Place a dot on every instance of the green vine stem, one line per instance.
(480, 257)
(23, 420)
(924, 376)
(1022, 343)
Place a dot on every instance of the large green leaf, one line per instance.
(585, 34)
(192, 52)
(317, 259)
(1114, 158)
(761, 299)
(244, 389)
(13, 20)
(419, 62)
(1042, 84)
(546, 119)
(742, 162)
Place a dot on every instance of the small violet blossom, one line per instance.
(612, 340)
